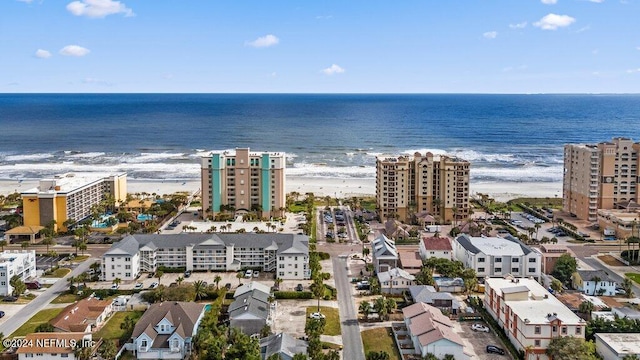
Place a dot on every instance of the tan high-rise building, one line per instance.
(244, 181)
(600, 176)
(436, 184)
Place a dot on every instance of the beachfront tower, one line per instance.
(241, 181)
(436, 185)
(71, 196)
(600, 176)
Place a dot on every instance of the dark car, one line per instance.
(227, 286)
(150, 275)
(492, 349)
(10, 299)
(187, 273)
(1, 314)
(299, 287)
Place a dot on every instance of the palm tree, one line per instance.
(3, 243)
(391, 305)
(217, 280)
(627, 286)
(277, 282)
(318, 288)
(596, 280)
(380, 306)
(159, 274)
(83, 352)
(82, 247)
(179, 280)
(48, 241)
(586, 307)
(365, 309)
(24, 244)
(537, 227)
(117, 281)
(239, 276)
(200, 289)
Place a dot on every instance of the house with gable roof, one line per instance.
(83, 316)
(384, 254)
(250, 309)
(283, 345)
(166, 330)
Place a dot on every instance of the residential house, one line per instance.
(438, 247)
(85, 316)
(497, 256)
(593, 282)
(287, 255)
(384, 253)
(283, 345)
(250, 309)
(450, 285)
(550, 254)
(529, 315)
(395, 281)
(52, 346)
(442, 300)
(166, 330)
(626, 312)
(618, 345)
(409, 259)
(432, 332)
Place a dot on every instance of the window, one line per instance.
(578, 330)
(554, 328)
(514, 270)
(498, 260)
(515, 260)
(564, 330)
(532, 260)
(498, 270)
(532, 270)
(480, 269)
(536, 330)
(127, 274)
(537, 343)
(480, 260)
(127, 267)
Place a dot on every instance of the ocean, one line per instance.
(507, 138)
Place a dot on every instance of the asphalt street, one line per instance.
(619, 279)
(351, 340)
(42, 300)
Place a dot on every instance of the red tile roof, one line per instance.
(437, 243)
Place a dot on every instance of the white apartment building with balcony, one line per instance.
(496, 256)
(21, 263)
(285, 254)
(530, 316)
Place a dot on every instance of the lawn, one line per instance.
(111, 330)
(58, 273)
(332, 317)
(41, 317)
(633, 276)
(65, 299)
(380, 340)
(80, 258)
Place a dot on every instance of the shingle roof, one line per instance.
(54, 343)
(283, 344)
(254, 303)
(251, 286)
(427, 293)
(384, 247)
(587, 275)
(437, 243)
(184, 314)
(394, 273)
(429, 324)
(78, 316)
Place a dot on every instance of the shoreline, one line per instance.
(334, 187)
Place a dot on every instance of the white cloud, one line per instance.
(554, 21)
(549, 2)
(96, 82)
(264, 41)
(597, 1)
(490, 34)
(26, 1)
(631, 71)
(521, 25)
(333, 69)
(42, 54)
(74, 50)
(98, 8)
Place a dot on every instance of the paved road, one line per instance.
(41, 301)
(619, 279)
(351, 340)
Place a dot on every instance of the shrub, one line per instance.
(324, 255)
(293, 295)
(174, 270)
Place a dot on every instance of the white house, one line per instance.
(438, 247)
(618, 345)
(52, 346)
(285, 254)
(497, 256)
(166, 330)
(594, 282)
(529, 314)
(432, 332)
(21, 263)
(384, 253)
(395, 281)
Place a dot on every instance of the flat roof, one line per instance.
(496, 246)
(69, 182)
(621, 343)
(537, 307)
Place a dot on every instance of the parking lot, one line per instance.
(477, 341)
(47, 262)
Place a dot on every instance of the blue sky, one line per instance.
(363, 46)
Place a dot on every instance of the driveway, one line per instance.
(476, 342)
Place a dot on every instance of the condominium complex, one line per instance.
(241, 180)
(21, 263)
(600, 176)
(436, 184)
(70, 196)
(529, 315)
(285, 254)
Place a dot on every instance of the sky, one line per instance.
(345, 46)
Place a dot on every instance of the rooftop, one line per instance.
(621, 343)
(395, 273)
(69, 182)
(437, 243)
(182, 315)
(493, 246)
(410, 259)
(78, 316)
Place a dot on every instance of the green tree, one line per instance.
(631, 357)
(108, 349)
(425, 276)
(318, 289)
(470, 279)
(128, 324)
(242, 347)
(556, 286)
(18, 285)
(571, 348)
(299, 356)
(380, 306)
(217, 280)
(83, 247)
(83, 352)
(159, 274)
(365, 309)
(179, 280)
(377, 355)
(430, 356)
(239, 276)
(116, 281)
(627, 286)
(565, 267)
(3, 243)
(200, 289)
(586, 307)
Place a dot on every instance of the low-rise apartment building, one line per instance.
(21, 263)
(285, 254)
(530, 316)
(497, 256)
(550, 254)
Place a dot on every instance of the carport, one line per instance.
(23, 233)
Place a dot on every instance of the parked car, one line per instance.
(153, 285)
(248, 273)
(299, 287)
(10, 299)
(492, 349)
(479, 327)
(620, 291)
(114, 286)
(187, 273)
(316, 315)
(256, 273)
(1, 314)
(33, 285)
(227, 286)
(138, 286)
(150, 275)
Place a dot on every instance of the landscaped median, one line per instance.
(633, 276)
(380, 339)
(332, 319)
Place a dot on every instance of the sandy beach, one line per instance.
(340, 188)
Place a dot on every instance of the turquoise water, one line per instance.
(145, 217)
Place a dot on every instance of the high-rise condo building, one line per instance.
(241, 180)
(436, 184)
(600, 176)
(71, 196)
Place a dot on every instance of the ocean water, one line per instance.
(507, 138)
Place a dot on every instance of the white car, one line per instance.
(138, 286)
(316, 315)
(248, 274)
(479, 327)
(114, 286)
(256, 273)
